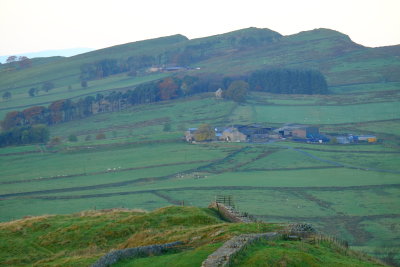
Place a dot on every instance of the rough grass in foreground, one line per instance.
(80, 239)
(294, 253)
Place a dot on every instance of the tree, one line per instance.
(167, 127)
(237, 91)
(56, 140)
(12, 119)
(6, 96)
(204, 133)
(84, 84)
(100, 136)
(169, 89)
(47, 86)
(32, 92)
(11, 59)
(72, 138)
(24, 62)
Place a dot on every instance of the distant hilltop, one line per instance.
(51, 53)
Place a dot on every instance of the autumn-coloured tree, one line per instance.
(169, 89)
(204, 133)
(35, 115)
(56, 111)
(12, 119)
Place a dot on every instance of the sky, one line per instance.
(37, 25)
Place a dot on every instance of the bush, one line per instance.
(72, 138)
(55, 140)
(167, 127)
(100, 136)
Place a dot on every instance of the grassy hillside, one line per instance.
(343, 62)
(349, 191)
(80, 239)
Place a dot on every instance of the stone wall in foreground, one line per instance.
(120, 254)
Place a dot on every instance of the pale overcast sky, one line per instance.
(36, 25)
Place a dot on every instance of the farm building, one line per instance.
(175, 68)
(299, 131)
(302, 133)
(255, 132)
(343, 140)
(232, 134)
(363, 138)
(356, 139)
(189, 134)
(237, 133)
(218, 94)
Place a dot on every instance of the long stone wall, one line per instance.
(229, 213)
(223, 256)
(117, 255)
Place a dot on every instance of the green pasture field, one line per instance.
(275, 253)
(283, 181)
(326, 114)
(367, 160)
(180, 114)
(96, 159)
(372, 87)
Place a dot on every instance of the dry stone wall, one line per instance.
(117, 255)
(229, 213)
(223, 256)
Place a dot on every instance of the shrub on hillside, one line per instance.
(100, 136)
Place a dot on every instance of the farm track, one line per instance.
(200, 188)
(102, 172)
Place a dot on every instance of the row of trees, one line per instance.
(106, 67)
(21, 62)
(24, 135)
(288, 81)
(134, 64)
(235, 88)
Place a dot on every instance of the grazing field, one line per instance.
(351, 191)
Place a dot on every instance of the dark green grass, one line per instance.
(101, 159)
(186, 258)
(285, 253)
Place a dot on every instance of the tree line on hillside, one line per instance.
(66, 110)
(24, 135)
(235, 88)
(182, 56)
(288, 81)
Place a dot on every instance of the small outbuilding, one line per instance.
(218, 94)
(189, 134)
